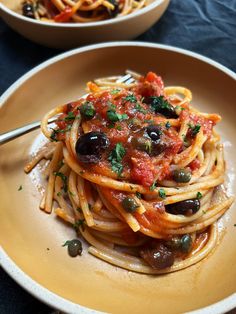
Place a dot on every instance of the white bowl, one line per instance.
(69, 35)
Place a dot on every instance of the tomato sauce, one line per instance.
(125, 117)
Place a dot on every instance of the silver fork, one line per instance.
(11, 135)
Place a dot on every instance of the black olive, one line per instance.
(154, 132)
(28, 10)
(174, 243)
(142, 143)
(74, 248)
(182, 175)
(158, 258)
(115, 12)
(129, 204)
(187, 207)
(158, 146)
(186, 243)
(160, 105)
(90, 146)
(87, 111)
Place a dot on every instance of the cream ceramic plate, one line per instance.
(69, 35)
(83, 283)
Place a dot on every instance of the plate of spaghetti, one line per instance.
(134, 179)
(71, 23)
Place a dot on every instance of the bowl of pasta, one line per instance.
(68, 23)
(130, 187)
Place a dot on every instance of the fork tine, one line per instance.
(131, 80)
(123, 79)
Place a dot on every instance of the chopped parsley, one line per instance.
(153, 186)
(113, 116)
(158, 102)
(58, 193)
(118, 127)
(53, 136)
(116, 157)
(162, 193)
(71, 193)
(139, 108)
(199, 195)
(79, 209)
(70, 116)
(139, 195)
(234, 225)
(130, 98)
(111, 125)
(20, 188)
(79, 223)
(149, 121)
(194, 129)
(168, 125)
(115, 91)
(63, 178)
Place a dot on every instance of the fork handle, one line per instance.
(11, 135)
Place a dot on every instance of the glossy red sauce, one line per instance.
(139, 166)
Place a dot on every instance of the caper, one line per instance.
(142, 143)
(182, 175)
(87, 110)
(186, 243)
(187, 207)
(74, 248)
(129, 204)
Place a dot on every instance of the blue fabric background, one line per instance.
(204, 26)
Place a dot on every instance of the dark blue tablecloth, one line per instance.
(204, 26)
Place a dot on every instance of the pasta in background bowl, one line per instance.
(32, 242)
(88, 29)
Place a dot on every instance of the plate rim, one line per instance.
(13, 270)
(132, 15)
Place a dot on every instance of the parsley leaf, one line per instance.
(115, 91)
(162, 193)
(70, 116)
(194, 129)
(139, 108)
(138, 194)
(130, 98)
(199, 195)
(113, 116)
(20, 188)
(153, 186)
(63, 178)
(53, 136)
(116, 157)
